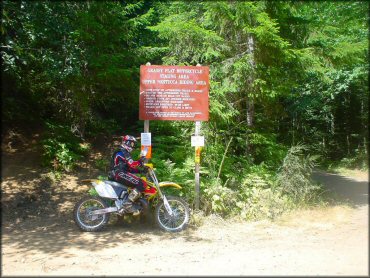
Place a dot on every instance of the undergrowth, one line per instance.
(264, 193)
(240, 189)
(61, 148)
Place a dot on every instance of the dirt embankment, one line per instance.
(40, 238)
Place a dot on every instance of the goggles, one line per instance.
(131, 143)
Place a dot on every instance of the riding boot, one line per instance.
(129, 205)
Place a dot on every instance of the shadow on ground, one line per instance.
(344, 189)
(42, 220)
(37, 214)
(54, 235)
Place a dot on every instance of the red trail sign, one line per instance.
(174, 93)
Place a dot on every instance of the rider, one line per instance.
(124, 167)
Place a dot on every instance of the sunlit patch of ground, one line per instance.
(357, 174)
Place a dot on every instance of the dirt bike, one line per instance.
(92, 213)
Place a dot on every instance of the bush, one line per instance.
(96, 126)
(266, 149)
(168, 171)
(219, 199)
(294, 177)
(102, 164)
(61, 148)
(255, 197)
(260, 198)
(358, 161)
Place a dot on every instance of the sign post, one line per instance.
(146, 130)
(176, 93)
(197, 166)
(197, 142)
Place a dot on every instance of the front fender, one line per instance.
(168, 183)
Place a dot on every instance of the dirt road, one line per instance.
(330, 241)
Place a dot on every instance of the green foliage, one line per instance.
(354, 162)
(219, 199)
(102, 177)
(266, 149)
(259, 203)
(280, 73)
(102, 164)
(96, 126)
(61, 148)
(198, 45)
(167, 170)
(294, 177)
(92, 192)
(255, 197)
(358, 161)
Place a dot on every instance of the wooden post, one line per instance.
(146, 122)
(197, 167)
(146, 126)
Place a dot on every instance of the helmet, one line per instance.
(128, 142)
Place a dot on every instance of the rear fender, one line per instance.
(91, 180)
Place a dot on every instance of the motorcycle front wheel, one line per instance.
(84, 220)
(176, 222)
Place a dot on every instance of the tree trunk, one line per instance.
(332, 124)
(364, 127)
(250, 112)
(348, 144)
(366, 148)
(250, 88)
(293, 128)
(250, 80)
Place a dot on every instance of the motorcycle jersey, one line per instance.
(122, 169)
(122, 161)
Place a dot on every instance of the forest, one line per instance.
(288, 89)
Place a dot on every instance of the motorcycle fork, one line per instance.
(161, 195)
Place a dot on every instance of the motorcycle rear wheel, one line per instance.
(86, 222)
(180, 218)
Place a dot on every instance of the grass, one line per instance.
(357, 173)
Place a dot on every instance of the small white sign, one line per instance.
(197, 141)
(146, 139)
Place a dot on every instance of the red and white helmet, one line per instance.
(128, 142)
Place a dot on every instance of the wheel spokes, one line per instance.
(85, 215)
(175, 220)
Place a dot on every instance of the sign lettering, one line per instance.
(174, 93)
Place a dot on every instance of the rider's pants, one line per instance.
(131, 180)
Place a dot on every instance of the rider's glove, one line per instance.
(142, 160)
